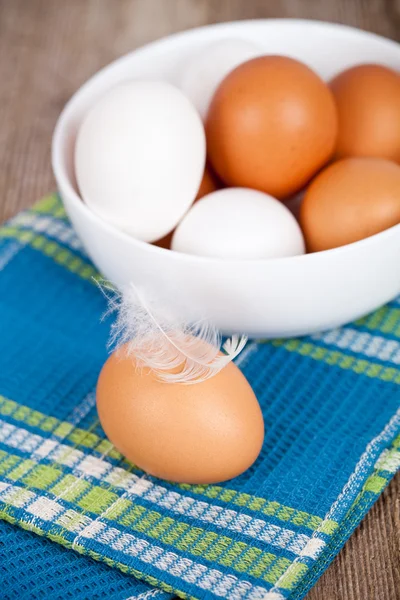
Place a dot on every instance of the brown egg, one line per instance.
(208, 184)
(200, 433)
(271, 126)
(165, 242)
(350, 200)
(368, 102)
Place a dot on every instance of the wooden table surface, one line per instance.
(48, 48)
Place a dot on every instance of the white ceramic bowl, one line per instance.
(276, 297)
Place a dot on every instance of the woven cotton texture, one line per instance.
(34, 568)
(332, 417)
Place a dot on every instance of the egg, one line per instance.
(200, 433)
(208, 184)
(368, 102)
(206, 69)
(238, 223)
(139, 158)
(271, 125)
(350, 200)
(165, 242)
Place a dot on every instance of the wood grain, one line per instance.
(48, 48)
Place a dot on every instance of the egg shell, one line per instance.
(368, 102)
(165, 242)
(239, 223)
(349, 201)
(208, 184)
(205, 71)
(271, 125)
(200, 433)
(140, 156)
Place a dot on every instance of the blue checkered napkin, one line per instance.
(33, 568)
(331, 409)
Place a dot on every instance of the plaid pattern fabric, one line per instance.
(331, 409)
(33, 568)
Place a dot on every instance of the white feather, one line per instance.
(157, 338)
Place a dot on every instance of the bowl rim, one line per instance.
(64, 181)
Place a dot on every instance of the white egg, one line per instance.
(140, 156)
(204, 72)
(239, 223)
